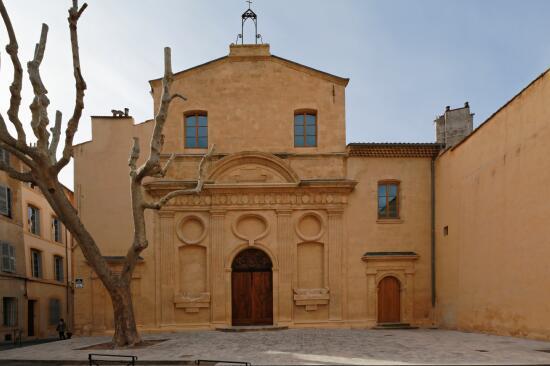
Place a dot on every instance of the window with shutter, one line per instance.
(9, 309)
(36, 262)
(34, 220)
(58, 268)
(55, 311)
(5, 156)
(12, 257)
(5, 257)
(5, 201)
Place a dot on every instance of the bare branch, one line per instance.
(56, 134)
(39, 105)
(181, 192)
(176, 95)
(15, 87)
(134, 156)
(21, 176)
(72, 125)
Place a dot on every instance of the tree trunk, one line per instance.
(126, 333)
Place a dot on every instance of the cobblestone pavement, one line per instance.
(313, 346)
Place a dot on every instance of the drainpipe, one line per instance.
(432, 246)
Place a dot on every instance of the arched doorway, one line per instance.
(252, 288)
(389, 300)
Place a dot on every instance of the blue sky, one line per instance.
(406, 60)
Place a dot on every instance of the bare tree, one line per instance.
(41, 165)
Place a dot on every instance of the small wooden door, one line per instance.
(252, 289)
(389, 300)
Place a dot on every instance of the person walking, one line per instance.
(61, 326)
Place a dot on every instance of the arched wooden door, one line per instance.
(389, 300)
(252, 288)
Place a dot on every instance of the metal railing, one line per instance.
(215, 362)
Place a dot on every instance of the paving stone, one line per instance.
(312, 346)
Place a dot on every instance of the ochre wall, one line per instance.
(492, 194)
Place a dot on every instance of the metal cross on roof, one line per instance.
(249, 14)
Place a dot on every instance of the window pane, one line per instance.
(310, 130)
(382, 206)
(203, 131)
(310, 119)
(190, 132)
(298, 130)
(203, 121)
(310, 141)
(299, 119)
(382, 190)
(299, 141)
(393, 190)
(203, 142)
(191, 121)
(393, 207)
(190, 142)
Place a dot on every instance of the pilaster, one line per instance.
(286, 264)
(217, 269)
(167, 267)
(335, 242)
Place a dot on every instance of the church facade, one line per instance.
(294, 227)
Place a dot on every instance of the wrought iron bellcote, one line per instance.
(249, 14)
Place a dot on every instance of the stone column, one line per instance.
(286, 265)
(167, 267)
(217, 269)
(371, 295)
(335, 242)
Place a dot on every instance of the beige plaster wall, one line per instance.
(365, 233)
(45, 288)
(492, 194)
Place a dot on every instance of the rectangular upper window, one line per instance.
(5, 201)
(5, 156)
(388, 200)
(33, 217)
(56, 230)
(305, 129)
(59, 274)
(196, 130)
(8, 257)
(36, 263)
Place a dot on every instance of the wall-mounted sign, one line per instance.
(78, 283)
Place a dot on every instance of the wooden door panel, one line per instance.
(389, 302)
(241, 291)
(262, 298)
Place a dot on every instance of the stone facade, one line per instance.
(313, 212)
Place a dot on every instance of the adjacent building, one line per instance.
(295, 227)
(35, 271)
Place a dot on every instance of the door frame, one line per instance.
(36, 317)
(274, 279)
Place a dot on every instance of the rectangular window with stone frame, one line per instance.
(5, 156)
(59, 274)
(388, 199)
(33, 219)
(36, 263)
(56, 230)
(8, 257)
(196, 130)
(5, 201)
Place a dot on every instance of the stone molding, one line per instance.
(311, 297)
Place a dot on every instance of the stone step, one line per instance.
(394, 326)
(251, 328)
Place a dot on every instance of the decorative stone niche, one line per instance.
(310, 226)
(250, 227)
(191, 229)
(311, 297)
(192, 280)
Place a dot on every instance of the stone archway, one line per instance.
(252, 288)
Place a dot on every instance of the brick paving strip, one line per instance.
(302, 346)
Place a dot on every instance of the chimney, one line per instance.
(454, 125)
